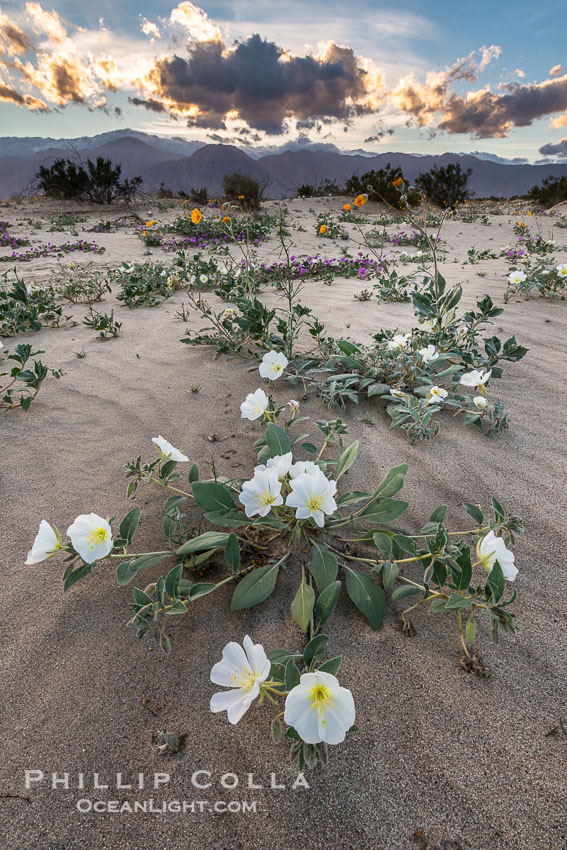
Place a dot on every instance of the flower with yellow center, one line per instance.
(360, 200)
(322, 229)
(242, 670)
(261, 493)
(319, 709)
(45, 545)
(272, 365)
(397, 182)
(254, 405)
(347, 208)
(312, 495)
(196, 216)
(436, 395)
(225, 219)
(91, 537)
(491, 549)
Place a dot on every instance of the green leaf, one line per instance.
(474, 512)
(471, 628)
(393, 481)
(201, 589)
(145, 561)
(232, 552)
(352, 498)
(227, 519)
(384, 510)
(177, 607)
(172, 580)
(212, 496)
(255, 587)
(406, 544)
(378, 389)
(496, 582)
(129, 524)
(125, 573)
(403, 591)
(332, 666)
(194, 474)
(437, 605)
(346, 460)
(383, 543)
(77, 575)
(366, 595)
(302, 605)
(277, 730)
(457, 601)
(326, 602)
(323, 567)
(277, 440)
(438, 514)
(315, 650)
(292, 677)
(208, 540)
(389, 574)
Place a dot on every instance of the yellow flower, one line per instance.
(241, 197)
(360, 200)
(225, 220)
(196, 216)
(323, 229)
(347, 208)
(144, 232)
(397, 182)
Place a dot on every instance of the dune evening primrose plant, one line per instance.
(491, 549)
(475, 378)
(243, 669)
(319, 709)
(254, 406)
(91, 537)
(272, 365)
(261, 493)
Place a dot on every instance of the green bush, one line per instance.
(552, 191)
(97, 182)
(244, 188)
(444, 185)
(200, 196)
(378, 185)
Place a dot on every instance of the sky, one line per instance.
(421, 76)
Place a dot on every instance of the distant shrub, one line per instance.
(199, 196)
(378, 185)
(444, 185)
(164, 192)
(244, 188)
(97, 182)
(552, 191)
(306, 190)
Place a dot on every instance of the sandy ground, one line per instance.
(442, 759)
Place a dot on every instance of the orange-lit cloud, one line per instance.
(48, 23)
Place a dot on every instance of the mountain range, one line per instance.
(179, 164)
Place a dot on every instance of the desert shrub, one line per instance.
(22, 381)
(444, 185)
(97, 182)
(306, 190)
(143, 284)
(378, 185)
(199, 196)
(104, 323)
(551, 191)
(24, 307)
(244, 188)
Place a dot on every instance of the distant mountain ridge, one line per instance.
(182, 165)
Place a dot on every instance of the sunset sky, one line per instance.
(413, 76)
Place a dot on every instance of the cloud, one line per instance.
(48, 23)
(151, 105)
(8, 95)
(260, 83)
(560, 121)
(195, 21)
(484, 114)
(520, 73)
(13, 39)
(555, 71)
(151, 29)
(557, 149)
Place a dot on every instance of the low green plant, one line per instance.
(104, 323)
(20, 384)
(26, 307)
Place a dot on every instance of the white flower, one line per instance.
(475, 378)
(312, 496)
(203, 278)
(2, 346)
(561, 269)
(428, 354)
(169, 451)
(300, 466)
(229, 314)
(91, 537)
(293, 407)
(397, 393)
(254, 405)
(261, 492)
(480, 402)
(427, 324)
(163, 274)
(319, 709)
(404, 254)
(243, 670)
(399, 342)
(419, 254)
(517, 277)
(491, 549)
(280, 464)
(45, 545)
(272, 365)
(436, 394)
